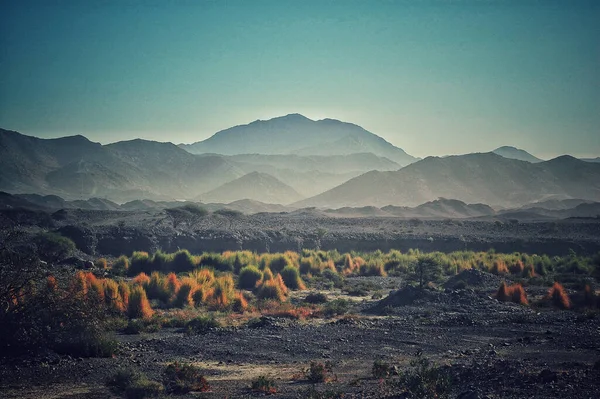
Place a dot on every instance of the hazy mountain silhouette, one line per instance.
(74, 167)
(482, 178)
(516, 153)
(296, 134)
(253, 186)
(597, 159)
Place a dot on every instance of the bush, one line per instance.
(222, 293)
(39, 313)
(201, 325)
(183, 262)
(320, 372)
(101, 264)
(336, 307)
(513, 293)
(249, 277)
(381, 369)
(499, 267)
(182, 378)
(264, 384)
(316, 298)
(140, 263)
(53, 246)
(558, 297)
(272, 289)
(184, 296)
(121, 266)
(139, 307)
(122, 379)
(291, 278)
(157, 288)
(144, 388)
(425, 380)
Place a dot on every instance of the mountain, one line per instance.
(516, 153)
(476, 178)
(597, 159)
(253, 186)
(314, 174)
(296, 134)
(76, 168)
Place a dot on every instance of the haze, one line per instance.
(432, 77)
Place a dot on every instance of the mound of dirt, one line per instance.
(473, 278)
(406, 296)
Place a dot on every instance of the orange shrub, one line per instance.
(139, 306)
(499, 267)
(124, 293)
(141, 279)
(96, 291)
(203, 276)
(529, 271)
(558, 296)
(222, 292)
(112, 297)
(272, 289)
(173, 283)
(513, 293)
(267, 274)
(79, 285)
(517, 267)
(184, 294)
(101, 263)
(51, 283)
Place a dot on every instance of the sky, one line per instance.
(432, 77)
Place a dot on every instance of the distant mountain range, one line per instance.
(298, 135)
(286, 160)
(483, 178)
(253, 186)
(516, 153)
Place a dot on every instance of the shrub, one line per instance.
(513, 293)
(499, 267)
(157, 288)
(320, 372)
(239, 302)
(183, 378)
(427, 269)
(291, 278)
(201, 325)
(272, 289)
(139, 307)
(101, 263)
(267, 274)
(121, 266)
(53, 246)
(141, 279)
(183, 262)
(217, 262)
(124, 293)
(558, 297)
(316, 297)
(173, 284)
(381, 369)
(203, 276)
(144, 388)
(279, 262)
(264, 384)
(122, 379)
(161, 261)
(374, 268)
(249, 277)
(184, 297)
(222, 292)
(425, 380)
(336, 307)
(140, 263)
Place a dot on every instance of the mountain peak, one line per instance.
(516, 153)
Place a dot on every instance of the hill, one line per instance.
(516, 153)
(296, 134)
(253, 186)
(474, 178)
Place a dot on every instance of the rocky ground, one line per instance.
(491, 350)
(117, 232)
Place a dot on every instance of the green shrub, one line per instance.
(123, 379)
(424, 380)
(140, 263)
(201, 325)
(381, 369)
(249, 277)
(183, 262)
(316, 298)
(161, 262)
(121, 266)
(264, 384)
(291, 278)
(182, 378)
(278, 262)
(336, 307)
(144, 388)
(53, 246)
(320, 372)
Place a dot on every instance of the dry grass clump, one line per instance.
(184, 296)
(557, 296)
(512, 293)
(139, 306)
(291, 278)
(173, 284)
(222, 292)
(112, 296)
(273, 288)
(499, 267)
(141, 279)
(249, 276)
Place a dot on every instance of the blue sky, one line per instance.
(432, 77)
